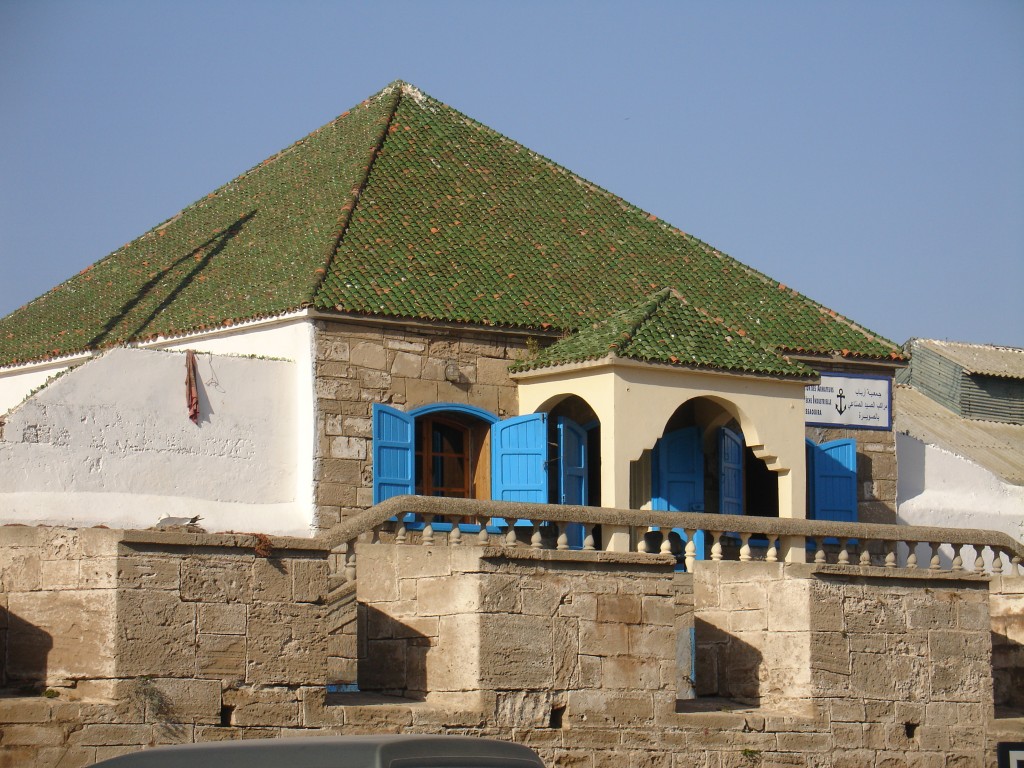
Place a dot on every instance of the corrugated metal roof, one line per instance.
(985, 359)
(997, 447)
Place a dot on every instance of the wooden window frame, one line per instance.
(425, 455)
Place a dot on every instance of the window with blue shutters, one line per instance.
(440, 449)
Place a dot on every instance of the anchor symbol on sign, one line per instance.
(840, 397)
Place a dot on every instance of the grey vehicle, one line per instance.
(389, 751)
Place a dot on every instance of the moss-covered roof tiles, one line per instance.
(405, 208)
(667, 329)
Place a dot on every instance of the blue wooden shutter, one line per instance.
(833, 481)
(730, 451)
(519, 459)
(572, 473)
(394, 459)
(679, 467)
(572, 462)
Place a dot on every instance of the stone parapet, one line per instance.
(171, 637)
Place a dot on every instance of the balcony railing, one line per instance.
(544, 526)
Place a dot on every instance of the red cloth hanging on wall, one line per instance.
(191, 390)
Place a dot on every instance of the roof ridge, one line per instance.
(649, 307)
(398, 88)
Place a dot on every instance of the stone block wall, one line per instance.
(148, 637)
(358, 365)
(752, 628)
(888, 668)
(534, 636)
(159, 638)
(1007, 608)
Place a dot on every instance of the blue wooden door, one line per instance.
(678, 465)
(394, 458)
(730, 476)
(572, 472)
(832, 480)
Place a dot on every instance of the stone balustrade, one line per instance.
(743, 538)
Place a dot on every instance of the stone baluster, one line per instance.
(716, 547)
(958, 559)
(979, 561)
(428, 531)
(690, 552)
(666, 544)
(819, 550)
(912, 554)
(455, 537)
(350, 561)
(744, 547)
(511, 540)
(563, 537)
(342, 552)
(865, 556)
(1015, 566)
(641, 540)
(482, 538)
(935, 563)
(588, 537)
(402, 533)
(536, 540)
(844, 551)
(772, 555)
(890, 553)
(375, 535)
(997, 561)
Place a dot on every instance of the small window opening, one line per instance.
(557, 714)
(226, 711)
(910, 729)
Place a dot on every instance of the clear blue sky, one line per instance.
(869, 153)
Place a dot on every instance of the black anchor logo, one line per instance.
(840, 407)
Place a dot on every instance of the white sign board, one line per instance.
(849, 400)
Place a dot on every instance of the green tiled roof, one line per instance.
(666, 328)
(405, 208)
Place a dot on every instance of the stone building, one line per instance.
(522, 411)
(355, 303)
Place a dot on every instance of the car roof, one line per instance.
(380, 751)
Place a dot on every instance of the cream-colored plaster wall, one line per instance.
(635, 402)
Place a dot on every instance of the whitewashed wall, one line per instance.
(940, 488)
(110, 442)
